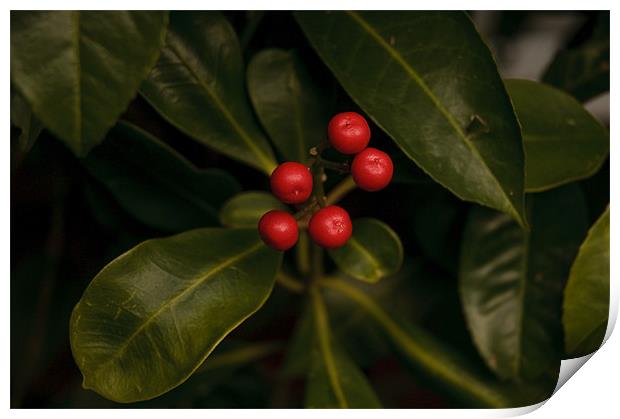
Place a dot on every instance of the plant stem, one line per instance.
(340, 190)
(318, 172)
(302, 254)
(316, 266)
(290, 283)
(425, 352)
(332, 165)
(244, 355)
(321, 321)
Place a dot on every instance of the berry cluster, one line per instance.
(292, 183)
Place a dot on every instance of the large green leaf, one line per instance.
(511, 281)
(583, 69)
(152, 316)
(155, 184)
(334, 381)
(430, 82)
(454, 374)
(373, 251)
(79, 69)
(198, 85)
(288, 102)
(562, 141)
(246, 209)
(586, 298)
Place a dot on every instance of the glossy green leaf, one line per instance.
(79, 70)
(373, 251)
(586, 298)
(288, 102)
(246, 208)
(563, 142)
(429, 81)
(23, 118)
(297, 359)
(583, 70)
(334, 381)
(157, 185)
(436, 221)
(152, 316)
(511, 281)
(198, 86)
(455, 374)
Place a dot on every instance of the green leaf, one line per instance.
(79, 70)
(454, 374)
(562, 141)
(155, 184)
(430, 82)
(30, 127)
(152, 316)
(586, 297)
(334, 381)
(297, 359)
(288, 102)
(511, 281)
(436, 220)
(198, 86)
(373, 251)
(583, 70)
(246, 209)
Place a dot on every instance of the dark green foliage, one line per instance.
(141, 144)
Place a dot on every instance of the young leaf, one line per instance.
(583, 70)
(246, 208)
(78, 70)
(586, 297)
(334, 381)
(198, 85)
(511, 281)
(157, 185)
(430, 82)
(288, 102)
(152, 316)
(373, 251)
(562, 141)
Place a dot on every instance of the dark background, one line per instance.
(65, 227)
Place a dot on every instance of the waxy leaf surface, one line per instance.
(150, 318)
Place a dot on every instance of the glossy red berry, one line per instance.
(330, 227)
(348, 132)
(291, 183)
(372, 169)
(278, 229)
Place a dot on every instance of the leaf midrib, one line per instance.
(445, 112)
(322, 329)
(169, 303)
(265, 160)
(361, 249)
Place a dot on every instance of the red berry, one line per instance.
(278, 229)
(372, 169)
(348, 132)
(291, 183)
(330, 227)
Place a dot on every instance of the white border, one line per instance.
(593, 392)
